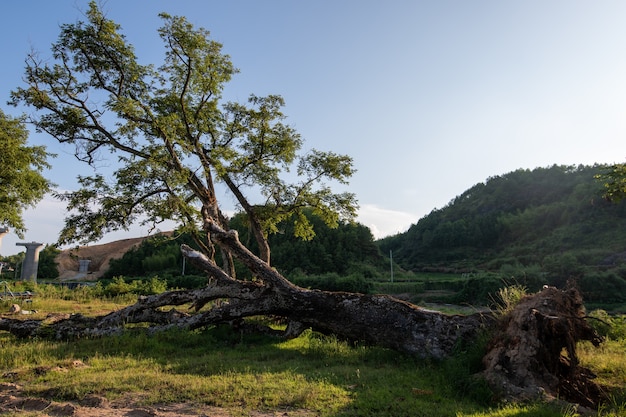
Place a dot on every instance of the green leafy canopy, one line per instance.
(614, 179)
(22, 184)
(174, 137)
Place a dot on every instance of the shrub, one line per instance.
(508, 297)
(333, 282)
(603, 287)
(612, 327)
(400, 287)
(187, 281)
(117, 286)
(530, 276)
(152, 286)
(364, 270)
(479, 290)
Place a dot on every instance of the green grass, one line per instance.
(218, 368)
(609, 364)
(525, 410)
(245, 373)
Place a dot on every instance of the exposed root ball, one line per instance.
(533, 356)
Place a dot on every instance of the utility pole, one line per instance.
(391, 263)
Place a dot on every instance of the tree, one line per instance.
(47, 267)
(21, 181)
(176, 141)
(614, 178)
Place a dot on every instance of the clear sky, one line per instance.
(428, 97)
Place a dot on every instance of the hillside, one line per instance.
(548, 225)
(533, 227)
(348, 249)
(100, 256)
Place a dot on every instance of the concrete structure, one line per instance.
(83, 269)
(3, 231)
(83, 265)
(31, 261)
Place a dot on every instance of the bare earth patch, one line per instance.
(13, 401)
(99, 255)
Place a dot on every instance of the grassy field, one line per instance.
(244, 374)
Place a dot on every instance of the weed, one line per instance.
(611, 326)
(508, 298)
(461, 371)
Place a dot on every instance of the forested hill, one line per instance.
(554, 219)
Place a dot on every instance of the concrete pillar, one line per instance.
(3, 231)
(83, 265)
(31, 261)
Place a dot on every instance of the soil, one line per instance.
(13, 400)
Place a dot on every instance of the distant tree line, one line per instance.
(46, 269)
(531, 227)
(340, 250)
(543, 226)
(341, 258)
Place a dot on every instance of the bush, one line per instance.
(603, 287)
(530, 276)
(365, 271)
(333, 282)
(152, 286)
(480, 290)
(400, 287)
(119, 286)
(189, 282)
(78, 292)
(611, 327)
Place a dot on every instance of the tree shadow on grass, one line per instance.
(222, 367)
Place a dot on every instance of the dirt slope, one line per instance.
(100, 256)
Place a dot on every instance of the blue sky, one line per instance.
(428, 97)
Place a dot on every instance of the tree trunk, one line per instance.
(374, 319)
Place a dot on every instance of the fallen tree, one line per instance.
(175, 142)
(373, 319)
(532, 354)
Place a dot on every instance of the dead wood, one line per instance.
(533, 353)
(374, 319)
